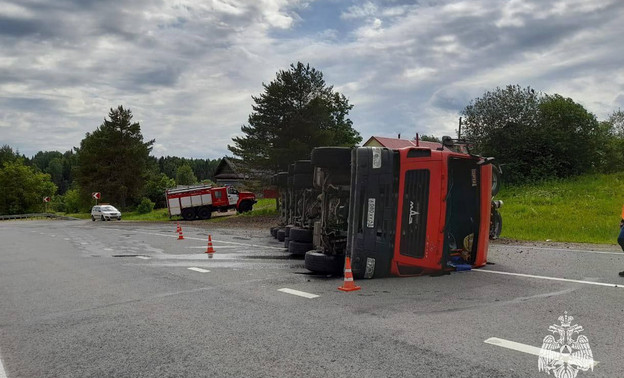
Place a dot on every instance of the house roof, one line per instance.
(227, 169)
(396, 143)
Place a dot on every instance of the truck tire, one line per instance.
(274, 231)
(282, 179)
(204, 212)
(318, 262)
(302, 180)
(303, 166)
(92, 218)
(299, 234)
(496, 224)
(332, 157)
(299, 248)
(281, 234)
(496, 183)
(188, 213)
(245, 207)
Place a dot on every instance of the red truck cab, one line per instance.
(418, 210)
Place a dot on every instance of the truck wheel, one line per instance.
(274, 231)
(332, 157)
(303, 235)
(496, 224)
(188, 213)
(102, 217)
(303, 180)
(495, 180)
(92, 218)
(204, 212)
(317, 261)
(303, 166)
(244, 207)
(281, 235)
(299, 248)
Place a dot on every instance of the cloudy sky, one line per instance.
(188, 68)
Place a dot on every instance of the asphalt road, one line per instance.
(120, 299)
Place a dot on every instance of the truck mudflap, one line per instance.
(372, 210)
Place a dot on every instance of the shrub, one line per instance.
(146, 206)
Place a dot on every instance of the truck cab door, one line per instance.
(232, 194)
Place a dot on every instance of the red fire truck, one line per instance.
(199, 201)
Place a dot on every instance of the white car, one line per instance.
(105, 212)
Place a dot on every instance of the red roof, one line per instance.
(395, 143)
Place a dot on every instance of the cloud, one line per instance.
(188, 68)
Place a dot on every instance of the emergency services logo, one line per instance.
(562, 354)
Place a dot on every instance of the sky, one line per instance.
(187, 69)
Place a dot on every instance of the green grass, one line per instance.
(585, 209)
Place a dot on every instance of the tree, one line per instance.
(113, 159)
(185, 175)
(535, 136)
(22, 188)
(295, 113)
(155, 187)
(7, 154)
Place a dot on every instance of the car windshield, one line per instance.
(108, 208)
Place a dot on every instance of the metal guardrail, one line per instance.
(35, 215)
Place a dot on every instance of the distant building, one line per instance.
(228, 174)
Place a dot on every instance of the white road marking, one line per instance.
(566, 250)
(549, 278)
(524, 348)
(143, 257)
(200, 270)
(2, 371)
(299, 293)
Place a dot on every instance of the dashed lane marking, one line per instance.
(143, 257)
(519, 347)
(299, 293)
(549, 278)
(200, 270)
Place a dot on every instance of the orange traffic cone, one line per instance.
(210, 250)
(178, 228)
(348, 284)
(180, 235)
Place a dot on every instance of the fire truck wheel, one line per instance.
(204, 212)
(92, 218)
(496, 224)
(188, 214)
(245, 207)
(281, 234)
(317, 261)
(331, 157)
(299, 248)
(303, 235)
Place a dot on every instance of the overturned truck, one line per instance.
(411, 211)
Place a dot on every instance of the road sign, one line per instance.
(46, 199)
(96, 195)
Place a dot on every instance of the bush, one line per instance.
(146, 206)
